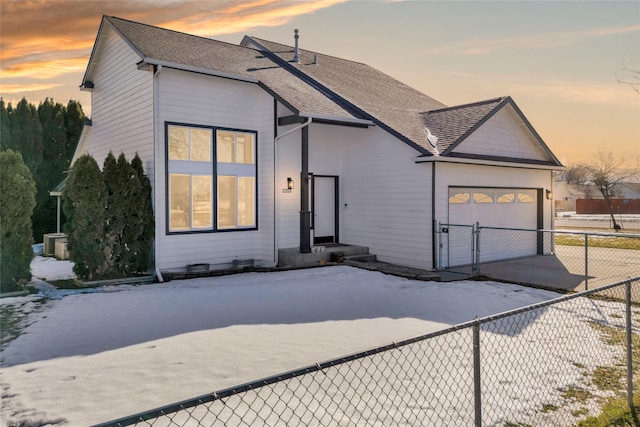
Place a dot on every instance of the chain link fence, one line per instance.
(580, 260)
(550, 364)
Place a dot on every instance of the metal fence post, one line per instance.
(476, 254)
(629, 348)
(477, 389)
(438, 248)
(586, 262)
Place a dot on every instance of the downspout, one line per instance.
(275, 181)
(157, 70)
(276, 244)
(434, 245)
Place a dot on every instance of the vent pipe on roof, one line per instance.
(295, 49)
(315, 59)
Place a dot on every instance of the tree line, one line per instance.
(46, 137)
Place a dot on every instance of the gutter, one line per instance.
(486, 163)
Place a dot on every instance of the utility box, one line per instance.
(61, 248)
(49, 243)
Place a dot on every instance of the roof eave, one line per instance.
(493, 161)
(200, 70)
(353, 120)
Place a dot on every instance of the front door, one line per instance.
(324, 209)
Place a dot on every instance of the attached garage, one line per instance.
(518, 209)
(494, 207)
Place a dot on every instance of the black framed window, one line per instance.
(210, 170)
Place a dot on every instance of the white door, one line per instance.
(513, 208)
(324, 209)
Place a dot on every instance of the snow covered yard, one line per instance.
(104, 353)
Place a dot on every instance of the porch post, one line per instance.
(305, 214)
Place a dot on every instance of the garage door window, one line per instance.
(482, 197)
(459, 197)
(526, 197)
(505, 197)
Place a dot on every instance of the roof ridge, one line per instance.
(110, 17)
(472, 104)
(314, 52)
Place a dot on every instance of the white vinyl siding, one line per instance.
(121, 104)
(503, 135)
(384, 197)
(189, 98)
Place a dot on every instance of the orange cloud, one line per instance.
(43, 70)
(242, 17)
(31, 87)
(45, 39)
(531, 41)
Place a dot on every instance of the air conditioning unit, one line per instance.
(49, 241)
(61, 248)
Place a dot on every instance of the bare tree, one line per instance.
(576, 175)
(631, 77)
(606, 171)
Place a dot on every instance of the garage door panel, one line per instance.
(495, 207)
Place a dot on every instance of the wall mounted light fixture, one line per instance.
(549, 195)
(289, 183)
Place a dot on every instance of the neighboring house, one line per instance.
(565, 195)
(259, 147)
(628, 190)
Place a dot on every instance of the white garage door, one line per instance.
(492, 207)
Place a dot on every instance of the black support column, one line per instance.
(305, 213)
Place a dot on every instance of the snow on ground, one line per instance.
(86, 358)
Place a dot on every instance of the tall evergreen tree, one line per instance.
(84, 201)
(111, 226)
(128, 208)
(74, 120)
(17, 200)
(52, 168)
(144, 244)
(26, 136)
(5, 129)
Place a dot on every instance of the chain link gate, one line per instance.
(458, 247)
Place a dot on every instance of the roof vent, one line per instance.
(315, 59)
(295, 49)
(433, 140)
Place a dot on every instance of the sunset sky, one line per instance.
(562, 62)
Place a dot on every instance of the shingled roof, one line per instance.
(156, 45)
(389, 102)
(317, 86)
(451, 125)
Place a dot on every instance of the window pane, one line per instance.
(506, 197)
(459, 198)
(226, 201)
(225, 147)
(201, 202)
(482, 197)
(526, 197)
(179, 199)
(178, 143)
(201, 145)
(246, 202)
(244, 148)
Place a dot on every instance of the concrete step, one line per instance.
(361, 258)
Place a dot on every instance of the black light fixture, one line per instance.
(549, 195)
(289, 183)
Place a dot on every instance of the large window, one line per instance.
(210, 170)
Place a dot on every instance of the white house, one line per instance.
(259, 147)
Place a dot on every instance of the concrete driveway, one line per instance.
(566, 268)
